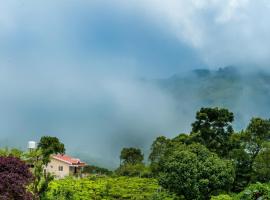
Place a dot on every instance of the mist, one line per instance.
(102, 76)
(93, 115)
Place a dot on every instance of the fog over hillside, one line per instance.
(96, 123)
(103, 75)
(247, 94)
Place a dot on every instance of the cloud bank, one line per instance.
(233, 32)
(77, 69)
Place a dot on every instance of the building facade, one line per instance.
(64, 165)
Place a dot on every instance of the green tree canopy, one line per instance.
(131, 156)
(257, 132)
(261, 165)
(50, 145)
(158, 149)
(212, 128)
(195, 172)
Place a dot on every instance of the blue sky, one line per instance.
(72, 68)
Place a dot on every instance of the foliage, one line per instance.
(261, 165)
(11, 152)
(222, 197)
(257, 132)
(211, 161)
(213, 128)
(106, 189)
(200, 172)
(133, 170)
(14, 179)
(255, 192)
(258, 191)
(131, 163)
(50, 145)
(158, 149)
(250, 153)
(39, 158)
(242, 163)
(96, 170)
(131, 156)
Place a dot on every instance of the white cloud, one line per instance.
(224, 32)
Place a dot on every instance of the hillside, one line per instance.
(245, 93)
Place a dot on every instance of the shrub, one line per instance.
(14, 179)
(255, 192)
(106, 188)
(222, 197)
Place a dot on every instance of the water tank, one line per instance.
(32, 145)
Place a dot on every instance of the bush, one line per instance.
(222, 197)
(106, 189)
(15, 177)
(255, 192)
(133, 170)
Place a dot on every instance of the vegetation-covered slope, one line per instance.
(246, 94)
(106, 189)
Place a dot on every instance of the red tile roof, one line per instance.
(68, 159)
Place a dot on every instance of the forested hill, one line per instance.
(245, 93)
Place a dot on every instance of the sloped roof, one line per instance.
(68, 159)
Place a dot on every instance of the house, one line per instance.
(63, 165)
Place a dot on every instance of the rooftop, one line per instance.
(68, 159)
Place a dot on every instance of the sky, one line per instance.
(74, 69)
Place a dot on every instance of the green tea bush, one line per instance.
(106, 188)
(222, 197)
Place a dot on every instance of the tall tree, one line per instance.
(131, 156)
(261, 165)
(250, 153)
(213, 128)
(41, 156)
(256, 134)
(131, 163)
(158, 148)
(241, 160)
(50, 145)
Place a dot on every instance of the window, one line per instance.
(60, 168)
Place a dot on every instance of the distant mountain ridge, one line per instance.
(247, 94)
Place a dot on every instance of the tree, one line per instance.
(96, 170)
(241, 160)
(257, 133)
(250, 152)
(158, 149)
(242, 164)
(41, 156)
(50, 145)
(212, 128)
(131, 156)
(133, 170)
(195, 172)
(14, 179)
(11, 152)
(131, 163)
(253, 139)
(261, 165)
